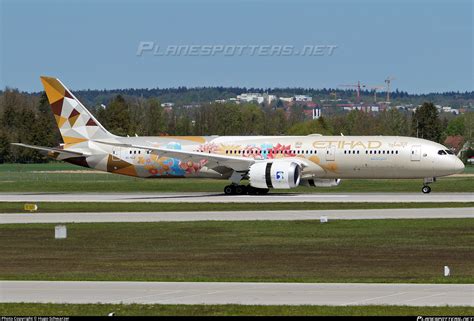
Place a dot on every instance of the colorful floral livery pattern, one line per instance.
(255, 151)
(157, 166)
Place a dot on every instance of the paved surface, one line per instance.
(221, 198)
(237, 293)
(236, 215)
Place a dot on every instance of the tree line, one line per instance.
(185, 95)
(28, 119)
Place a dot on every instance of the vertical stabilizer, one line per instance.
(76, 124)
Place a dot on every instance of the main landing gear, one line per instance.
(426, 189)
(235, 189)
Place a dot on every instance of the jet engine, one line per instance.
(276, 174)
(321, 182)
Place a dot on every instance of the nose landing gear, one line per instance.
(426, 189)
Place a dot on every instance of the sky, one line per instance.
(427, 46)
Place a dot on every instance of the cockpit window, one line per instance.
(449, 152)
(441, 152)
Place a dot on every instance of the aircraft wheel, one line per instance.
(426, 189)
(229, 190)
(251, 190)
(240, 190)
(263, 191)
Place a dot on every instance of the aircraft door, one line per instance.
(331, 154)
(116, 154)
(415, 153)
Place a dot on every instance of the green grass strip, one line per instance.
(51, 207)
(381, 251)
(225, 310)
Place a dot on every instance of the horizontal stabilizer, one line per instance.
(51, 149)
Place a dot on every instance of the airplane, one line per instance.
(267, 162)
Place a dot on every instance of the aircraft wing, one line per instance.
(213, 160)
(52, 150)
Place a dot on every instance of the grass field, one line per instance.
(279, 251)
(469, 169)
(52, 166)
(32, 178)
(51, 207)
(223, 310)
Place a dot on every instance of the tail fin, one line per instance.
(75, 122)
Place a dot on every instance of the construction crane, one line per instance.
(357, 86)
(388, 81)
(375, 88)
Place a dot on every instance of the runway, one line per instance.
(412, 213)
(221, 198)
(237, 293)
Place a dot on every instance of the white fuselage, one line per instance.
(326, 156)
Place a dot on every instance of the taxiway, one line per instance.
(221, 198)
(237, 293)
(365, 214)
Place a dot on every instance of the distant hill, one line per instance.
(184, 95)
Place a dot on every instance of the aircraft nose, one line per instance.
(458, 166)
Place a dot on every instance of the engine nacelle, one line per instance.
(276, 174)
(321, 182)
